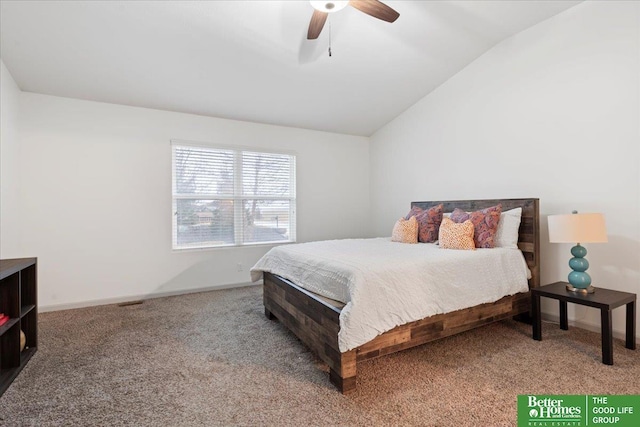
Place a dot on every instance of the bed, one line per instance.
(315, 319)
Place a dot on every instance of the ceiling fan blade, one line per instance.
(317, 22)
(376, 9)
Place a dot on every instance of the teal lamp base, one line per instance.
(588, 290)
(579, 279)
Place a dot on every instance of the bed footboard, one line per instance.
(315, 322)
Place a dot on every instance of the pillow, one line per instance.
(507, 233)
(456, 235)
(485, 224)
(428, 222)
(405, 231)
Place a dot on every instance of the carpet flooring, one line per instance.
(213, 359)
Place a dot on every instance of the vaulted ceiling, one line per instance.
(250, 60)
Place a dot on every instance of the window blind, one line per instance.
(227, 197)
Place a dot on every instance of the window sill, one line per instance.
(217, 248)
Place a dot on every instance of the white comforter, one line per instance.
(385, 284)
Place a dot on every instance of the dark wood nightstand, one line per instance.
(604, 299)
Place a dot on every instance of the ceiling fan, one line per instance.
(324, 8)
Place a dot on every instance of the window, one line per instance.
(231, 197)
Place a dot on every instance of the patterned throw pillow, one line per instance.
(485, 224)
(405, 231)
(428, 222)
(456, 236)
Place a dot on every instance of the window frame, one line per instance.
(237, 197)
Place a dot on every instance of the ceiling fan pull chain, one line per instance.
(329, 38)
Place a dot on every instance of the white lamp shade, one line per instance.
(577, 228)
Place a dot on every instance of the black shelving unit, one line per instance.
(18, 300)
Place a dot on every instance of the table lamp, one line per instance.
(578, 228)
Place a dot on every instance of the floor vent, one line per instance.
(128, 303)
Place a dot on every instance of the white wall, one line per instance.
(96, 197)
(552, 112)
(9, 165)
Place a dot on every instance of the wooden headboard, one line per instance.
(529, 232)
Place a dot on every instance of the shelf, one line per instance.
(6, 326)
(11, 266)
(25, 309)
(8, 375)
(26, 354)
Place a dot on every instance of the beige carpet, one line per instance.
(214, 359)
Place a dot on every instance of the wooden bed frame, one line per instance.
(316, 320)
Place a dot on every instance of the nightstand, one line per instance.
(604, 299)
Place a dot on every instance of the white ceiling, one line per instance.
(250, 60)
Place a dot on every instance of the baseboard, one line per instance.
(119, 300)
(554, 318)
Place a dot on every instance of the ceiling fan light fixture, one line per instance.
(329, 6)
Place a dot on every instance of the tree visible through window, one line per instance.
(227, 197)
